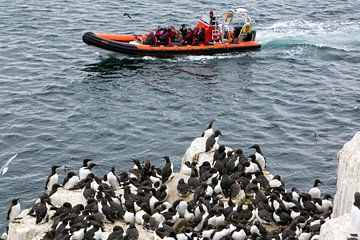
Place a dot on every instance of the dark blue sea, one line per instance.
(61, 101)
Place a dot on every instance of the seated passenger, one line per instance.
(246, 33)
(150, 39)
(164, 38)
(183, 31)
(188, 39)
(158, 32)
(199, 36)
(172, 33)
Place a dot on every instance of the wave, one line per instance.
(341, 36)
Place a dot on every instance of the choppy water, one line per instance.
(60, 102)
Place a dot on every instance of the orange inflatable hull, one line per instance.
(121, 43)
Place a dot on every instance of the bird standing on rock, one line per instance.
(71, 180)
(355, 216)
(52, 179)
(14, 209)
(212, 140)
(315, 191)
(259, 156)
(209, 130)
(113, 179)
(167, 170)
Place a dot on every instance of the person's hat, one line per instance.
(183, 25)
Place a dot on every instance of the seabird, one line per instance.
(238, 233)
(187, 168)
(83, 171)
(117, 233)
(258, 230)
(88, 192)
(355, 216)
(277, 184)
(183, 188)
(281, 217)
(71, 180)
(5, 167)
(128, 15)
(113, 179)
(40, 210)
(14, 209)
(132, 233)
(167, 170)
(259, 156)
(315, 191)
(52, 179)
(193, 182)
(209, 130)
(220, 153)
(212, 140)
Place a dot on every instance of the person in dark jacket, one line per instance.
(164, 37)
(200, 36)
(150, 39)
(212, 18)
(183, 30)
(188, 39)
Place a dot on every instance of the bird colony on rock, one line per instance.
(221, 194)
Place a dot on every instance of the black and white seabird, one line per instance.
(4, 168)
(355, 216)
(132, 233)
(167, 170)
(117, 233)
(258, 230)
(82, 174)
(183, 188)
(113, 179)
(220, 153)
(209, 130)
(14, 209)
(315, 191)
(212, 140)
(52, 179)
(71, 180)
(259, 156)
(40, 210)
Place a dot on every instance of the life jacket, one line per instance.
(165, 39)
(172, 35)
(189, 37)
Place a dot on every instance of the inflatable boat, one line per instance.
(229, 36)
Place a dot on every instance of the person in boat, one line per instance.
(150, 39)
(183, 30)
(172, 33)
(188, 39)
(158, 32)
(246, 33)
(199, 36)
(164, 38)
(212, 18)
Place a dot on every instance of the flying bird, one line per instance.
(5, 167)
(128, 15)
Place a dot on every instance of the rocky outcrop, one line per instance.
(348, 179)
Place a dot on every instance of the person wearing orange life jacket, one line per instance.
(199, 36)
(172, 33)
(164, 38)
(150, 39)
(188, 39)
